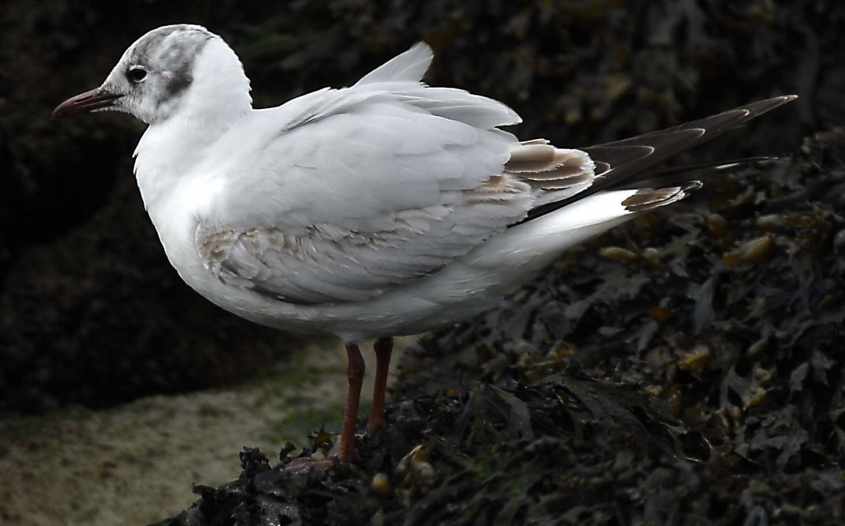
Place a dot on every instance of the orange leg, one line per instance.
(355, 375)
(383, 348)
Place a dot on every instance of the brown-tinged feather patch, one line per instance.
(548, 168)
(651, 198)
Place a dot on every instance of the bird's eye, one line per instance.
(136, 74)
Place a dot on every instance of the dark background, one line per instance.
(90, 311)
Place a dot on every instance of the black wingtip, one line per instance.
(621, 162)
(760, 107)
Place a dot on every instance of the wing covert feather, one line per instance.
(358, 190)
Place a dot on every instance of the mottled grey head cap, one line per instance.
(171, 49)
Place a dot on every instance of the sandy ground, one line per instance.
(136, 464)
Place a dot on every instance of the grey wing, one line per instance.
(365, 189)
(364, 256)
(374, 186)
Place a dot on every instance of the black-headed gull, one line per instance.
(381, 209)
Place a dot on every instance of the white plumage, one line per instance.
(384, 208)
(381, 209)
(343, 210)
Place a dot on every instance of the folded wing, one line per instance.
(361, 189)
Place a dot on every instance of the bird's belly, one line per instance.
(405, 310)
(463, 288)
(400, 312)
(460, 290)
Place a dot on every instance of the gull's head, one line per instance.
(166, 71)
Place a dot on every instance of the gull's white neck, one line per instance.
(172, 147)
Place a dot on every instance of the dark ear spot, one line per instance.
(178, 83)
(177, 59)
